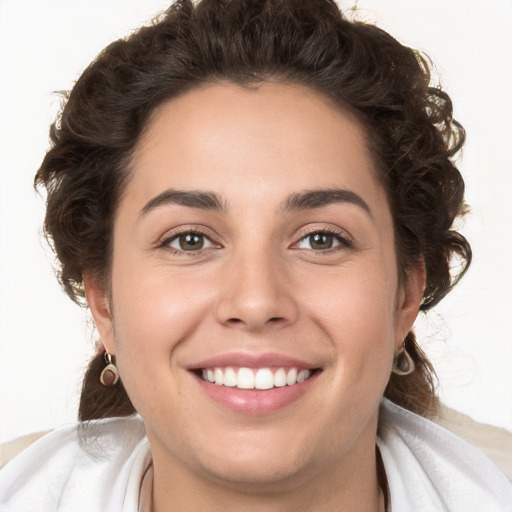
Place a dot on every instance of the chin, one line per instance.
(259, 462)
(258, 475)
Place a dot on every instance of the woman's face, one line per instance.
(253, 245)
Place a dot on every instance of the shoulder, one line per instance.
(430, 468)
(79, 467)
(11, 449)
(495, 442)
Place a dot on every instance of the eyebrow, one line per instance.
(310, 199)
(205, 200)
(191, 198)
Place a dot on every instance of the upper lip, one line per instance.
(252, 360)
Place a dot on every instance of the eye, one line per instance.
(189, 242)
(322, 241)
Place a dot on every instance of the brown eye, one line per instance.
(322, 241)
(190, 242)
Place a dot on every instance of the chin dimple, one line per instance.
(255, 378)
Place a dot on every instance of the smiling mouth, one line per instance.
(255, 378)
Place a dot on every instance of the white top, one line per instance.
(106, 467)
(429, 469)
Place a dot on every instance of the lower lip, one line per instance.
(254, 401)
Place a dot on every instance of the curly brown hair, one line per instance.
(411, 135)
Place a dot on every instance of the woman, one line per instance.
(255, 199)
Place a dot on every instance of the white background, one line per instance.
(45, 340)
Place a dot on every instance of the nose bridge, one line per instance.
(255, 290)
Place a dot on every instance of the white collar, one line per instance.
(429, 469)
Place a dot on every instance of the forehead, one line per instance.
(255, 141)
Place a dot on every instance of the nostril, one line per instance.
(238, 321)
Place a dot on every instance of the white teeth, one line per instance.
(230, 377)
(219, 376)
(303, 375)
(245, 379)
(280, 378)
(291, 377)
(264, 379)
(248, 378)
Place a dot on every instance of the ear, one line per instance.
(409, 300)
(98, 301)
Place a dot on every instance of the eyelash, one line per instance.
(345, 242)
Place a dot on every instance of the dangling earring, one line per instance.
(109, 376)
(403, 363)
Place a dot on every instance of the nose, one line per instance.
(256, 294)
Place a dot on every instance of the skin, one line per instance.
(258, 285)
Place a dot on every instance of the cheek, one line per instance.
(154, 311)
(354, 301)
(355, 307)
(154, 317)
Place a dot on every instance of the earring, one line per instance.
(109, 376)
(403, 363)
